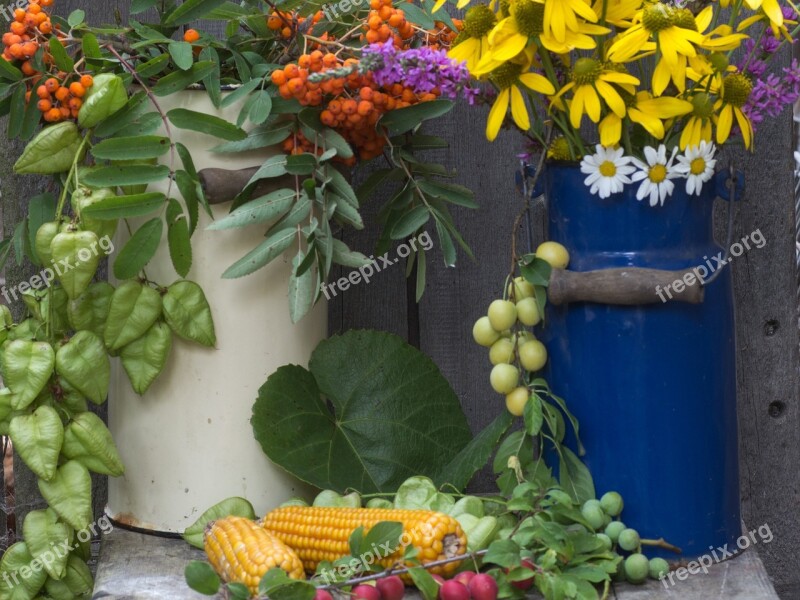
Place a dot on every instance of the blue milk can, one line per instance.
(653, 385)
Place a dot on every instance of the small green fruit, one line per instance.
(522, 289)
(593, 515)
(613, 530)
(517, 400)
(502, 314)
(528, 312)
(607, 543)
(554, 253)
(483, 333)
(612, 503)
(629, 540)
(502, 351)
(658, 568)
(504, 378)
(637, 568)
(533, 355)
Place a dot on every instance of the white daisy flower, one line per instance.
(655, 174)
(608, 171)
(697, 165)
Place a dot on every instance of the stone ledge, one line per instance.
(135, 566)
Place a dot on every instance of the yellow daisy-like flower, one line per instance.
(591, 87)
(508, 78)
(646, 111)
(736, 89)
(478, 23)
(771, 8)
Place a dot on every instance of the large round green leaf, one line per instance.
(84, 363)
(187, 312)
(88, 440)
(17, 560)
(27, 366)
(37, 438)
(144, 359)
(393, 415)
(69, 493)
(134, 308)
(43, 534)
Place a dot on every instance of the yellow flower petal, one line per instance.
(661, 77)
(652, 124)
(773, 10)
(518, 109)
(665, 106)
(703, 18)
(576, 106)
(615, 77)
(745, 126)
(497, 115)
(610, 129)
(537, 83)
(724, 123)
(439, 4)
(612, 98)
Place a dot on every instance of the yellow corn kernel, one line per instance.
(319, 534)
(240, 550)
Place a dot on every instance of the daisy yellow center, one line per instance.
(698, 165)
(684, 19)
(479, 21)
(529, 16)
(586, 71)
(703, 106)
(559, 149)
(607, 169)
(736, 89)
(657, 173)
(506, 75)
(656, 17)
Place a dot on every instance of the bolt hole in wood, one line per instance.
(776, 409)
(770, 327)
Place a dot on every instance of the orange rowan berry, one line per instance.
(18, 28)
(87, 81)
(51, 85)
(46, 2)
(27, 96)
(291, 71)
(385, 12)
(42, 92)
(349, 107)
(76, 89)
(274, 22)
(65, 112)
(34, 8)
(283, 90)
(286, 32)
(44, 105)
(304, 61)
(295, 85)
(396, 20)
(365, 107)
(62, 94)
(74, 113)
(53, 115)
(329, 60)
(191, 36)
(375, 4)
(29, 48)
(278, 77)
(19, 15)
(46, 28)
(327, 118)
(75, 103)
(373, 37)
(27, 68)
(316, 55)
(374, 21)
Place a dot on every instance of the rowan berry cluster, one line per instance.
(289, 23)
(385, 22)
(58, 95)
(352, 103)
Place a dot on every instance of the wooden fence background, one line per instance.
(766, 288)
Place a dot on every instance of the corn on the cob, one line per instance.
(240, 550)
(321, 534)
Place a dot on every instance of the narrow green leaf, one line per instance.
(60, 56)
(260, 210)
(258, 107)
(180, 246)
(120, 207)
(131, 148)
(182, 55)
(138, 251)
(9, 71)
(180, 80)
(260, 137)
(410, 222)
(240, 92)
(451, 192)
(153, 67)
(406, 119)
(203, 123)
(266, 251)
(301, 290)
(126, 175)
(191, 10)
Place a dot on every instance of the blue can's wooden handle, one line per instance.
(628, 286)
